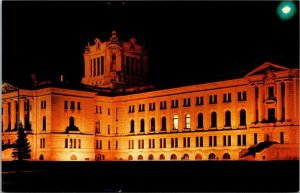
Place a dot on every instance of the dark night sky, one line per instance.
(188, 42)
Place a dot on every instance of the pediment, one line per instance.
(267, 66)
(8, 87)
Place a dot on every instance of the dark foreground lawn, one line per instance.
(151, 176)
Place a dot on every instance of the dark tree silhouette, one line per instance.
(21, 147)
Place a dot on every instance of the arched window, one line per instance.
(44, 123)
(140, 157)
(97, 126)
(152, 124)
(188, 121)
(175, 122)
(198, 156)
(213, 119)
(164, 124)
(162, 157)
(132, 126)
(142, 126)
(73, 157)
(173, 157)
(41, 157)
(242, 117)
(185, 157)
(72, 126)
(200, 120)
(227, 119)
(130, 157)
(150, 157)
(212, 156)
(226, 156)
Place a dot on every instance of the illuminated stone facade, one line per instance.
(218, 120)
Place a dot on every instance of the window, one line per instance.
(131, 109)
(71, 122)
(100, 144)
(271, 115)
(242, 117)
(210, 141)
(213, 119)
(186, 102)
(43, 104)
(174, 103)
(213, 99)
(96, 109)
(200, 120)
(44, 123)
(152, 125)
(96, 144)
(108, 129)
(229, 140)
(271, 91)
(151, 106)
(244, 140)
(215, 141)
(72, 105)
(187, 121)
(132, 126)
(281, 137)
(142, 126)
(175, 122)
(79, 143)
(174, 142)
(227, 97)
(66, 105)
(78, 106)
(66, 143)
(71, 144)
(242, 96)
(108, 145)
(224, 140)
(42, 142)
(255, 138)
(227, 119)
(97, 126)
(239, 142)
(199, 100)
(163, 104)
(212, 156)
(100, 109)
(163, 124)
(108, 111)
(226, 156)
(141, 107)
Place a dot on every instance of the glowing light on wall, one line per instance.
(286, 10)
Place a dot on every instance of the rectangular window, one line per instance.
(66, 105)
(176, 142)
(244, 95)
(215, 141)
(229, 140)
(71, 144)
(66, 143)
(160, 143)
(165, 142)
(78, 106)
(244, 140)
(153, 143)
(100, 109)
(255, 138)
(271, 92)
(184, 142)
(108, 129)
(201, 141)
(210, 141)
(281, 137)
(72, 105)
(108, 145)
(224, 140)
(96, 145)
(227, 97)
(116, 144)
(149, 143)
(213, 99)
(79, 143)
(172, 142)
(197, 141)
(96, 109)
(75, 143)
(189, 142)
(41, 143)
(239, 143)
(271, 115)
(108, 111)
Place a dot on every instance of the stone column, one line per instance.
(22, 115)
(253, 103)
(13, 113)
(5, 116)
(261, 109)
(279, 102)
(287, 100)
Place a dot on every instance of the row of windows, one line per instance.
(187, 102)
(72, 105)
(72, 143)
(198, 156)
(200, 124)
(199, 142)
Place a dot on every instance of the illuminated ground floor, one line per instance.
(260, 143)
